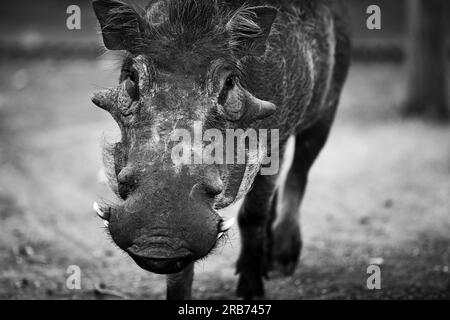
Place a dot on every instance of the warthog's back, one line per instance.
(306, 64)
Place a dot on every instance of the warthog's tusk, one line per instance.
(219, 235)
(104, 215)
(106, 223)
(226, 225)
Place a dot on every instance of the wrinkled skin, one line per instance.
(215, 65)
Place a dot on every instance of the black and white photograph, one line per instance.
(246, 151)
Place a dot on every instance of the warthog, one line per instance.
(219, 65)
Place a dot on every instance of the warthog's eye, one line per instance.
(228, 85)
(133, 76)
(229, 82)
(132, 84)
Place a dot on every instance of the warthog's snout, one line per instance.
(162, 235)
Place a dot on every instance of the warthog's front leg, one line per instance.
(253, 218)
(286, 242)
(179, 285)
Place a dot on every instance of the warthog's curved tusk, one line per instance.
(226, 225)
(104, 215)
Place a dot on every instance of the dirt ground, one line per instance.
(380, 191)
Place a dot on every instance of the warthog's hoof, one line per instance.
(251, 273)
(286, 248)
(250, 286)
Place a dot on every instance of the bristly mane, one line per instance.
(194, 31)
(183, 25)
(196, 16)
(206, 28)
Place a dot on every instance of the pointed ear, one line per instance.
(249, 29)
(120, 24)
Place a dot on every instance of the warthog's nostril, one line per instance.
(212, 183)
(124, 190)
(213, 189)
(201, 189)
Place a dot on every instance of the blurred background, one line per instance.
(379, 193)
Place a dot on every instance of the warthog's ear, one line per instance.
(120, 24)
(249, 29)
